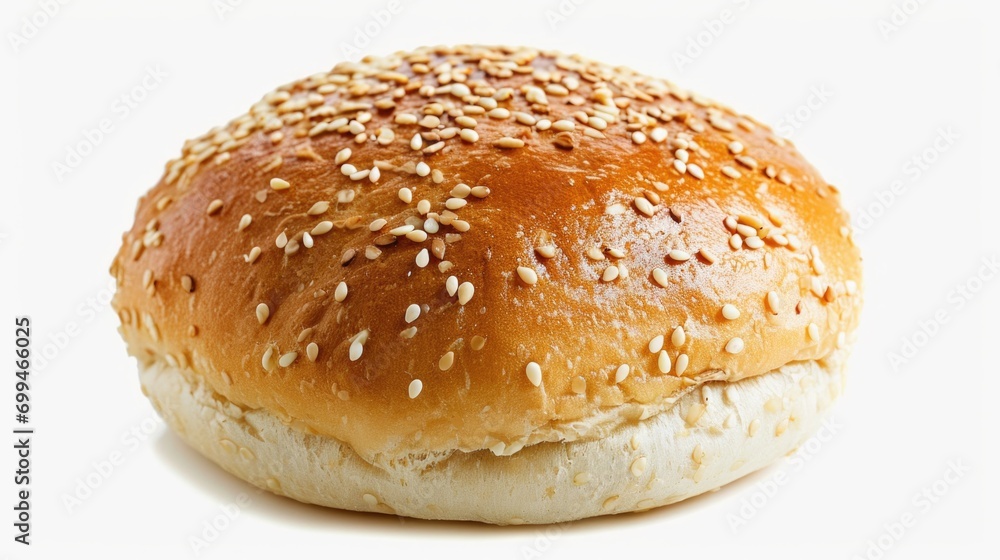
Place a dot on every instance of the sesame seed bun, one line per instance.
(482, 270)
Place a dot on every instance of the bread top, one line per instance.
(423, 182)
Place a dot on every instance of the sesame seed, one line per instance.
(610, 273)
(546, 251)
(638, 137)
(357, 348)
(279, 184)
(564, 125)
(680, 166)
(369, 499)
(746, 230)
(405, 194)
(527, 275)
(736, 242)
(480, 191)
(345, 196)
(412, 312)
(214, 207)
(416, 142)
(754, 242)
(378, 224)
(658, 134)
(401, 230)
(187, 283)
(254, 254)
(451, 285)
(287, 359)
(643, 205)
(622, 271)
(735, 345)
(663, 362)
(342, 156)
(281, 240)
(524, 118)
(813, 331)
(682, 155)
(508, 142)
(322, 228)
(660, 277)
(417, 235)
(340, 294)
(694, 414)
(695, 171)
(359, 175)
(682, 364)
(781, 427)
(731, 172)
(697, 454)
(455, 203)
(595, 253)
(263, 312)
(543, 124)
(851, 287)
(638, 466)
(423, 258)
(446, 361)
(534, 373)
(469, 135)
(312, 351)
(465, 292)
(348, 169)
(730, 312)
(415, 387)
(678, 255)
(735, 147)
(244, 222)
(773, 302)
(707, 255)
(678, 337)
(307, 240)
(621, 373)
(265, 360)
(423, 169)
(374, 175)
(656, 344)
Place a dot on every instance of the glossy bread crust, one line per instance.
(634, 207)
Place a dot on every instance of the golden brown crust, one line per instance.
(188, 295)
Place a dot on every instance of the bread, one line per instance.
(484, 282)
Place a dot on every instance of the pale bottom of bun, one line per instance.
(669, 457)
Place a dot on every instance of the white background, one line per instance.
(888, 94)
